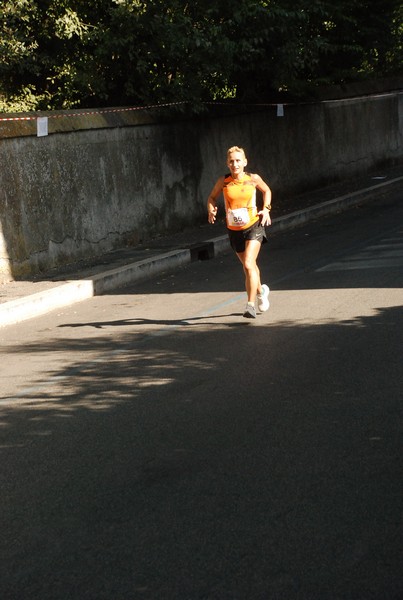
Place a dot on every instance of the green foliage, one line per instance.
(59, 54)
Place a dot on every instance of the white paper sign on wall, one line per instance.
(42, 126)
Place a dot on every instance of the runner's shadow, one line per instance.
(163, 322)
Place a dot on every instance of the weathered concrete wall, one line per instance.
(98, 183)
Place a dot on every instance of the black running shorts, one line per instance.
(254, 232)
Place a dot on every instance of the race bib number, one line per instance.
(238, 217)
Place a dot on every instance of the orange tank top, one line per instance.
(240, 202)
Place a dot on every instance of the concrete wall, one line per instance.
(105, 180)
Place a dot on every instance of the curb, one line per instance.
(330, 206)
(66, 294)
(71, 292)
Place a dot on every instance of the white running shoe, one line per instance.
(250, 312)
(263, 298)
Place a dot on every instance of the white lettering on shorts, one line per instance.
(238, 217)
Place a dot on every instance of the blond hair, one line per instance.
(235, 149)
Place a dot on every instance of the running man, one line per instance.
(246, 226)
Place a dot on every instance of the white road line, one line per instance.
(387, 253)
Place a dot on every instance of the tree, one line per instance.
(67, 53)
(42, 45)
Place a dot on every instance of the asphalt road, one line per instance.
(156, 445)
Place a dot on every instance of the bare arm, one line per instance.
(266, 192)
(212, 200)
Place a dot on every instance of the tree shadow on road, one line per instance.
(253, 462)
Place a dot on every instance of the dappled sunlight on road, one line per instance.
(136, 367)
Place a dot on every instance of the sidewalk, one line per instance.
(21, 300)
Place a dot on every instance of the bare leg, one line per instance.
(251, 270)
